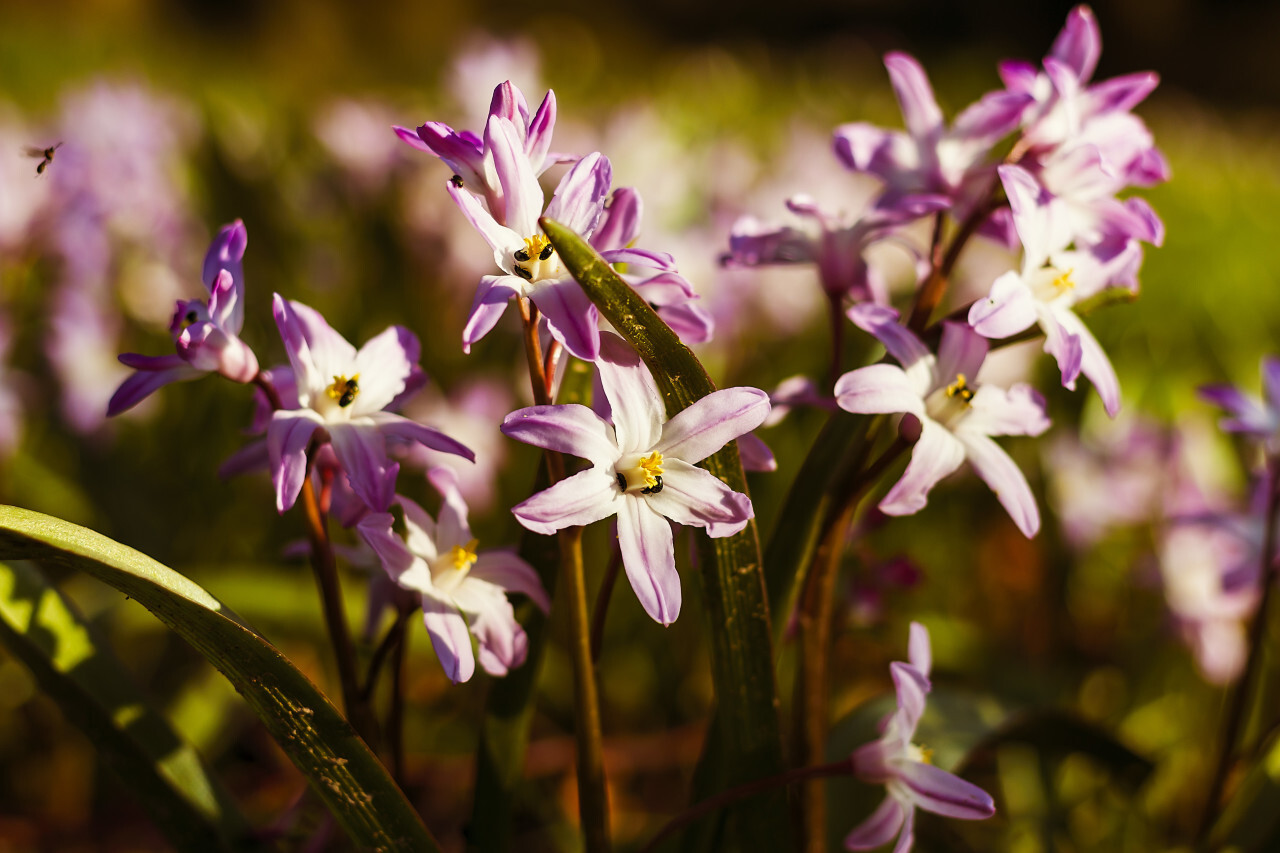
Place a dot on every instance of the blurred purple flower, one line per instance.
(206, 335)
(1246, 413)
(473, 409)
(1112, 478)
(956, 419)
(904, 768)
(839, 247)
(930, 158)
(344, 392)
(642, 469)
(463, 590)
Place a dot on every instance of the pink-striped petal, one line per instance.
(878, 389)
(935, 790)
(696, 498)
(585, 497)
(637, 408)
(450, 638)
(936, 454)
(288, 435)
(712, 422)
(882, 825)
(1003, 476)
(571, 428)
(648, 556)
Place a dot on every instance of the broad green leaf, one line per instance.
(341, 769)
(731, 573)
(75, 669)
(1056, 734)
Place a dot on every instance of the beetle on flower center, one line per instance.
(344, 391)
(537, 260)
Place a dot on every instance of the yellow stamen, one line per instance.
(1064, 281)
(652, 467)
(535, 245)
(960, 388)
(343, 390)
(464, 557)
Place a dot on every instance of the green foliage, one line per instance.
(341, 769)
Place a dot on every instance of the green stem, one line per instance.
(593, 798)
(335, 617)
(603, 597)
(1240, 698)
(843, 767)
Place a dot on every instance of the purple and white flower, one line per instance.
(904, 768)
(531, 268)
(1069, 113)
(957, 418)
(464, 590)
(472, 157)
(642, 469)
(205, 333)
(1052, 281)
(837, 249)
(344, 392)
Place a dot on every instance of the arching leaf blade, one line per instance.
(341, 769)
(77, 671)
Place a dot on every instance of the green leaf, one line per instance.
(1250, 819)
(731, 572)
(318, 740)
(1057, 734)
(75, 669)
(815, 493)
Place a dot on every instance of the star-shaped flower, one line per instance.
(642, 469)
(904, 768)
(464, 590)
(957, 416)
(344, 392)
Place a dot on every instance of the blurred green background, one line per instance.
(279, 114)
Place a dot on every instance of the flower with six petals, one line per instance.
(642, 469)
(464, 590)
(910, 780)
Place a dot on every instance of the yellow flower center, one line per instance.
(922, 754)
(960, 389)
(537, 260)
(344, 391)
(1064, 281)
(464, 557)
(644, 477)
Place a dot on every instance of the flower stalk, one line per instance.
(1237, 711)
(593, 799)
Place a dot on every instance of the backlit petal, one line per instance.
(579, 500)
(648, 556)
(695, 497)
(712, 422)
